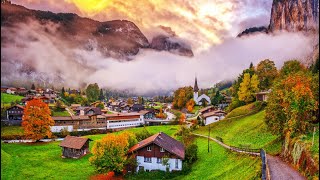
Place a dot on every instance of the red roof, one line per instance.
(163, 140)
(73, 142)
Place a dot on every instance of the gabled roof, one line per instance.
(19, 106)
(73, 142)
(163, 140)
(212, 113)
(206, 108)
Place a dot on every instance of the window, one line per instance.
(177, 163)
(159, 160)
(147, 159)
(149, 148)
(161, 150)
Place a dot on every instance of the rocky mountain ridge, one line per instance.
(120, 39)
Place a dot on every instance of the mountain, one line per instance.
(292, 16)
(253, 30)
(120, 39)
(169, 41)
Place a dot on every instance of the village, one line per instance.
(148, 90)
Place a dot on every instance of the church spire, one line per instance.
(195, 89)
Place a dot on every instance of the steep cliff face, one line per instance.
(294, 15)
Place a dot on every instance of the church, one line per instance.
(198, 99)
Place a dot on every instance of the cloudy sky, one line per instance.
(209, 26)
(201, 22)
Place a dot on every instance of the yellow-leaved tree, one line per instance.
(248, 88)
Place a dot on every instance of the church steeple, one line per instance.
(195, 88)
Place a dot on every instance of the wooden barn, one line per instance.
(74, 147)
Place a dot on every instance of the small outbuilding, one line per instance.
(74, 147)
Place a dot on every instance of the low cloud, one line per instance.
(31, 55)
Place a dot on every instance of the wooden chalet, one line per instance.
(74, 147)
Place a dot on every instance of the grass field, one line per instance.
(60, 113)
(250, 130)
(8, 98)
(11, 130)
(43, 161)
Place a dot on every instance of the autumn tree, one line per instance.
(248, 88)
(36, 120)
(267, 72)
(182, 96)
(129, 101)
(292, 104)
(93, 92)
(110, 153)
(190, 104)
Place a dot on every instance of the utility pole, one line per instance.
(208, 138)
(314, 131)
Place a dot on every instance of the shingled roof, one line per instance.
(73, 142)
(163, 140)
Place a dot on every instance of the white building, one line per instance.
(152, 152)
(197, 99)
(124, 120)
(213, 116)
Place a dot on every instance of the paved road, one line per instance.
(280, 170)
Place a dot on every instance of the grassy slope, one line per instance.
(247, 130)
(8, 98)
(243, 110)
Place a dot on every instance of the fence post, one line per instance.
(264, 167)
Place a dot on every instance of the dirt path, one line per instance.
(280, 170)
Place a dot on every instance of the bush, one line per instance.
(143, 134)
(81, 133)
(191, 153)
(13, 137)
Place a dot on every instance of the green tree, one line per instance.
(291, 67)
(101, 96)
(217, 98)
(248, 88)
(33, 87)
(93, 92)
(267, 72)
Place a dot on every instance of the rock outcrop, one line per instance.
(294, 15)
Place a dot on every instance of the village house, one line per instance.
(14, 115)
(137, 108)
(148, 114)
(151, 152)
(11, 90)
(213, 116)
(75, 106)
(74, 147)
(4, 89)
(263, 95)
(88, 111)
(22, 91)
(104, 121)
(206, 109)
(124, 120)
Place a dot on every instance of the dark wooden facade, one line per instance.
(14, 115)
(74, 147)
(155, 152)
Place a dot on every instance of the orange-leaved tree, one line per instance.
(190, 104)
(36, 120)
(110, 153)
